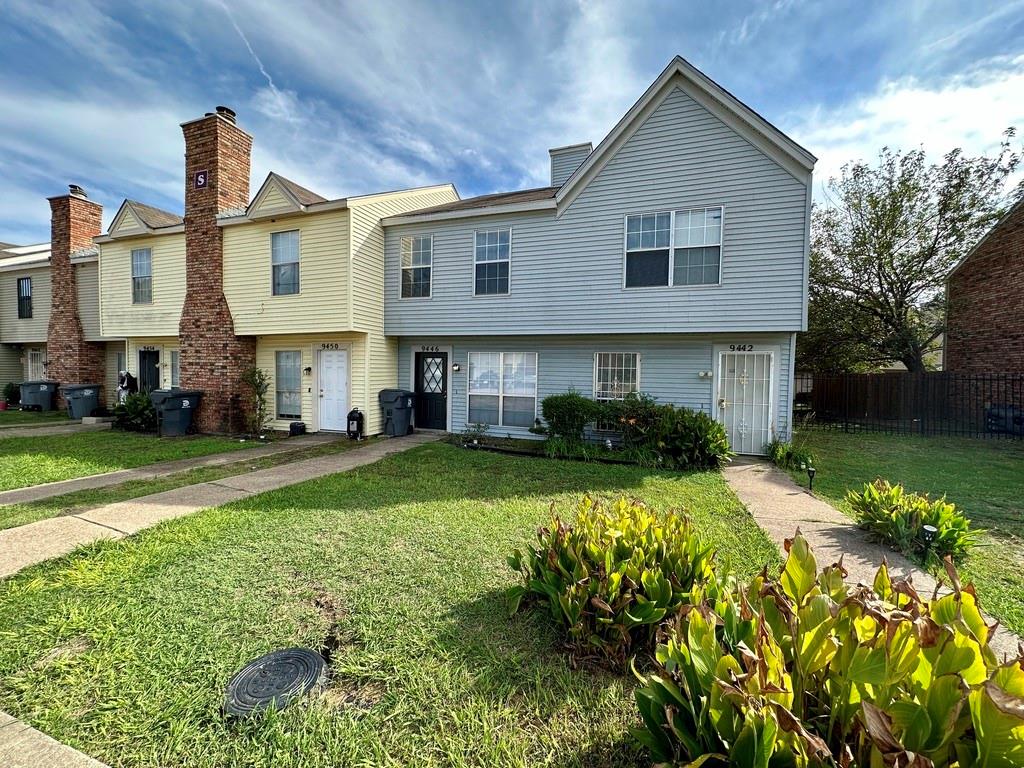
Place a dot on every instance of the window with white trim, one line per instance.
(492, 257)
(417, 259)
(681, 247)
(503, 388)
(288, 384)
(284, 262)
(24, 298)
(175, 369)
(142, 276)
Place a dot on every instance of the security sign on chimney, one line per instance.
(200, 179)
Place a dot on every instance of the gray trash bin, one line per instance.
(174, 410)
(396, 405)
(81, 399)
(38, 395)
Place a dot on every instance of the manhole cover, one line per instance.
(274, 680)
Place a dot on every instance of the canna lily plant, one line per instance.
(803, 670)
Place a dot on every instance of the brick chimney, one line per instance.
(217, 157)
(74, 221)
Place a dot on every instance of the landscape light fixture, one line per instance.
(811, 471)
(928, 531)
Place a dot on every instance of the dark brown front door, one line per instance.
(432, 390)
(149, 370)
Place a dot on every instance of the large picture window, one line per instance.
(492, 257)
(24, 298)
(503, 388)
(142, 276)
(288, 384)
(284, 261)
(681, 247)
(417, 258)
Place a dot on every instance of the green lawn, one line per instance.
(11, 418)
(32, 460)
(123, 649)
(984, 478)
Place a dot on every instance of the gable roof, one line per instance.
(155, 218)
(24, 256)
(1019, 205)
(278, 195)
(135, 218)
(492, 200)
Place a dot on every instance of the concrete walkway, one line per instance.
(22, 746)
(780, 506)
(163, 468)
(37, 430)
(33, 543)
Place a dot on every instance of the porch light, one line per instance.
(308, 370)
(456, 367)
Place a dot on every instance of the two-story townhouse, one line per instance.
(671, 259)
(24, 312)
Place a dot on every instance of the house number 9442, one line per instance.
(741, 347)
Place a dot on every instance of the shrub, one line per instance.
(135, 414)
(788, 456)
(568, 414)
(258, 383)
(804, 671)
(612, 573)
(636, 417)
(12, 393)
(894, 515)
(691, 439)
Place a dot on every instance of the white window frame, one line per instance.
(297, 262)
(507, 260)
(500, 394)
(277, 386)
(401, 266)
(174, 358)
(32, 366)
(597, 359)
(672, 248)
(135, 277)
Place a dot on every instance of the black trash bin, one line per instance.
(174, 410)
(396, 405)
(81, 399)
(38, 395)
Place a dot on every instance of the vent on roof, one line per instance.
(227, 113)
(76, 190)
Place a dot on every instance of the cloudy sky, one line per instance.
(351, 98)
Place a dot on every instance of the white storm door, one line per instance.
(333, 389)
(745, 396)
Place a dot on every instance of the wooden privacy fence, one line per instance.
(933, 403)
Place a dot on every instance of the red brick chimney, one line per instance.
(74, 221)
(217, 156)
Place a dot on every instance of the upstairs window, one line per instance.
(24, 298)
(492, 255)
(288, 384)
(681, 247)
(417, 259)
(284, 258)
(142, 276)
(503, 388)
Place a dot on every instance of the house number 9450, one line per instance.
(741, 347)
(330, 345)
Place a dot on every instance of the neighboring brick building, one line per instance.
(985, 302)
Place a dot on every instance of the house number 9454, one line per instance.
(741, 347)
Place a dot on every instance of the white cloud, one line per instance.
(969, 110)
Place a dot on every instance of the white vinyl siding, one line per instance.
(668, 248)
(502, 388)
(284, 260)
(417, 258)
(288, 384)
(492, 258)
(142, 276)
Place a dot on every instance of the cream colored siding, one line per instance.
(110, 379)
(11, 369)
(118, 316)
(309, 345)
(12, 329)
(87, 281)
(322, 300)
(163, 345)
(273, 201)
(382, 374)
(128, 222)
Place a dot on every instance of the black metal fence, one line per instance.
(898, 402)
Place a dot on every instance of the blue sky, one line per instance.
(351, 98)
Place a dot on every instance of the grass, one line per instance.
(12, 515)
(984, 478)
(32, 460)
(11, 418)
(123, 649)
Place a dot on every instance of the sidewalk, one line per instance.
(33, 543)
(160, 469)
(36, 430)
(780, 506)
(22, 746)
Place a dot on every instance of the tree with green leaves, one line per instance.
(882, 245)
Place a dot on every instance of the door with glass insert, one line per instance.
(432, 390)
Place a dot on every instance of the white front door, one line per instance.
(745, 397)
(333, 389)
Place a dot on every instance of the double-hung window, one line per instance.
(284, 259)
(492, 256)
(288, 384)
(417, 258)
(24, 298)
(142, 276)
(681, 247)
(503, 388)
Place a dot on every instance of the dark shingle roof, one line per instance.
(154, 218)
(303, 195)
(487, 201)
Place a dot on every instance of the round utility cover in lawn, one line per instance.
(273, 681)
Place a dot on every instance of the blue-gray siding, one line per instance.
(669, 366)
(564, 163)
(567, 272)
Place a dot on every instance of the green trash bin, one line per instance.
(397, 405)
(175, 409)
(38, 395)
(82, 399)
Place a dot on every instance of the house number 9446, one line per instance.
(741, 347)
(428, 348)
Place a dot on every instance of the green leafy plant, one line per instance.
(804, 671)
(257, 417)
(135, 414)
(691, 439)
(786, 455)
(568, 414)
(475, 433)
(899, 517)
(636, 417)
(612, 573)
(12, 393)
